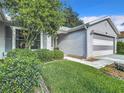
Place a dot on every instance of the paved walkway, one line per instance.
(96, 64)
(102, 62)
(115, 57)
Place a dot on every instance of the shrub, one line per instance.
(58, 54)
(1, 60)
(21, 53)
(12, 53)
(120, 47)
(119, 66)
(20, 72)
(45, 55)
(56, 48)
(19, 75)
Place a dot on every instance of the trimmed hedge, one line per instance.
(21, 53)
(58, 54)
(120, 47)
(20, 72)
(1, 60)
(45, 55)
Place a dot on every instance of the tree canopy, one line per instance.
(36, 16)
(71, 18)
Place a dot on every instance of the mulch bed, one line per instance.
(113, 71)
(92, 59)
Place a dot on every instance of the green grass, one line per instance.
(71, 77)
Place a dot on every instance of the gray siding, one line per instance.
(103, 28)
(73, 43)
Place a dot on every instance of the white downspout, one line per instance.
(41, 40)
(13, 38)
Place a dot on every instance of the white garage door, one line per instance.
(102, 45)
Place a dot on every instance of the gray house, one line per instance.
(11, 38)
(96, 38)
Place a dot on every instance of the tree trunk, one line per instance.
(28, 45)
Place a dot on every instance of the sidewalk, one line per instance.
(96, 64)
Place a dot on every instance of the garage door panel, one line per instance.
(100, 37)
(102, 45)
(103, 52)
(102, 42)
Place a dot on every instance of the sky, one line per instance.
(90, 10)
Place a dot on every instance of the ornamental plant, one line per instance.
(20, 74)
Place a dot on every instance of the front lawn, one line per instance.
(71, 77)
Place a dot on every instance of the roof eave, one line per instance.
(110, 22)
(73, 29)
(114, 27)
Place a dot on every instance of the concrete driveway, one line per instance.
(114, 57)
(101, 62)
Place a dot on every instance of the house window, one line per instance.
(36, 43)
(20, 43)
(8, 39)
(19, 39)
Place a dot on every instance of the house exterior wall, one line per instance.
(2, 39)
(73, 43)
(49, 43)
(102, 28)
(46, 42)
